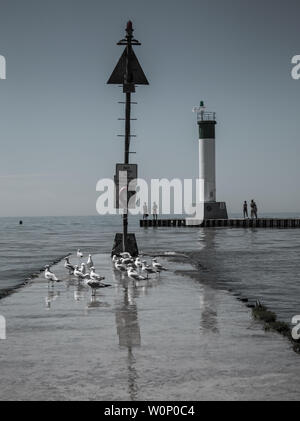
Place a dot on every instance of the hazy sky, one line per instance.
(59, 118)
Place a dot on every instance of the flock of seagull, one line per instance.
(134, 268)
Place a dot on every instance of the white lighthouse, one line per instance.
(207, 207)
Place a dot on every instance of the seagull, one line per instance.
(119, 266)
(126, 260)
(94, 276)
(83, 268)
(90, 262)
(146, 268)
(50, 276)
(158, 266)
(79, 254)
(94, 285)
(69, 266)
(79, 274)
(132, 274)
(138, 262)
(126, 255)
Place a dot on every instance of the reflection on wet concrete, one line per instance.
(132, 376)
(207, 243)
(96, 302)
(127, 321)
(208, 309)
(128, 329)
(79, 292)
(51, 297)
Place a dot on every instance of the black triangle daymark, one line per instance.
(136, 73)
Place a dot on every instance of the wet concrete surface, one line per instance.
(168, 338)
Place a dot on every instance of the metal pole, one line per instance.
(128, 72)
(127, 127)
(126, 161)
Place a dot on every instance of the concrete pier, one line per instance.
(230, 223)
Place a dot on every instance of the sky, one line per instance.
(59, 118)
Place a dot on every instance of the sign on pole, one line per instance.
(126, 174)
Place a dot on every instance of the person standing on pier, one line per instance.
(245, 209)
(154, 211)
(145, 210)
(253, 209)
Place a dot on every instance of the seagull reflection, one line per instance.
(51, 297)
(70, 280)
(79, 292)
(95, 303)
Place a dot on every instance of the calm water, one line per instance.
(262, 264)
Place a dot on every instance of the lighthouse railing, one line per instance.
(206, 116)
